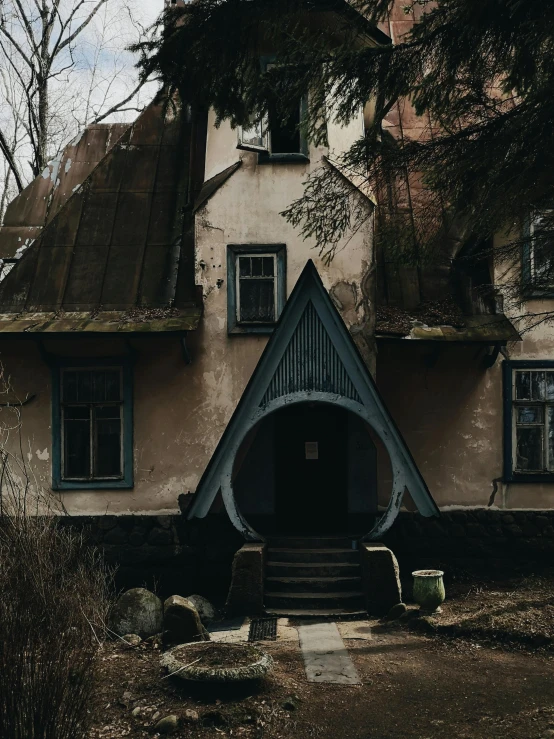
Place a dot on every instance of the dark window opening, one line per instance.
(256, 288)
(285, 134)
(538, 253)
(92, 429)
(533, 421)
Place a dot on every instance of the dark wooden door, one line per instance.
(311, 469)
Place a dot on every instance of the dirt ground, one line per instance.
(493, 682)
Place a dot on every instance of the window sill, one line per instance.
(533, 293)
(238, 330)
(517, 477)
(99, 485)
(283, 159)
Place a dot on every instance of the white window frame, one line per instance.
(251, 255)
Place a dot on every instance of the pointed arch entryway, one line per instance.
(310, 362)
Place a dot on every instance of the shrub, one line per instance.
(53, 607)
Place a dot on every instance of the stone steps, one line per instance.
(311, 542)
(312, 555)
(315, 577)
(346, 600)
(311, 584)
(313, 569)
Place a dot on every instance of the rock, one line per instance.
(126, 699)
(133, 640)
(192, 716)
(205, 609)
(290, 703)
(136, 711)
(396, 612)
(214, 718)
(167, 724)
(182, 622)
(138, 611)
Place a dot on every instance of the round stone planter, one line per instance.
(214, 662)
(429, 591)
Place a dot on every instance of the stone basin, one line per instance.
(214, 662)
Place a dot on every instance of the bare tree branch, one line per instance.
(5, 149)
(117, 107)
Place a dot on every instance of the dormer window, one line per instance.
(538, 254)
(276, 139)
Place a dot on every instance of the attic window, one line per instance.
(277, 139)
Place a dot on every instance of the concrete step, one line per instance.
(313, 569)
(283, 554)
(346, 600)
(311, 542)
(312, 584)
(336, 614)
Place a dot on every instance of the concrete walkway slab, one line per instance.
(355, 630)
(325, 657)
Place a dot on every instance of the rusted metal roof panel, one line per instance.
(14, 238)
(120, 240)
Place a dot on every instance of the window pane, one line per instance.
(84, 386)
(523, 385)
(77, 446)
(257, 266)
(108, 448)
(530, 414)
(549, 385)
(551, 438)
(107, 411)
(257, 300)
(537, 385)
(113, 384)
(99, 386)
(69, 386)
(529, 449)
(285, 135)
(244, 266)
(79, 412)
(268, 266)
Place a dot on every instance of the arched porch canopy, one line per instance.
(311, 357)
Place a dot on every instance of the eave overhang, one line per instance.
(104, 323)
(481, 329)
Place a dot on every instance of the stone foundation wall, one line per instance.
(166, 554)
(177, 557)
(482, 539)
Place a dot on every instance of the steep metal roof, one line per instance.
(124, 238)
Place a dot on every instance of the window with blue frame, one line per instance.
(528, 421)
(538, 254)
(92, 426)
(256, 287)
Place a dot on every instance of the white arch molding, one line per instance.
(398, 476)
